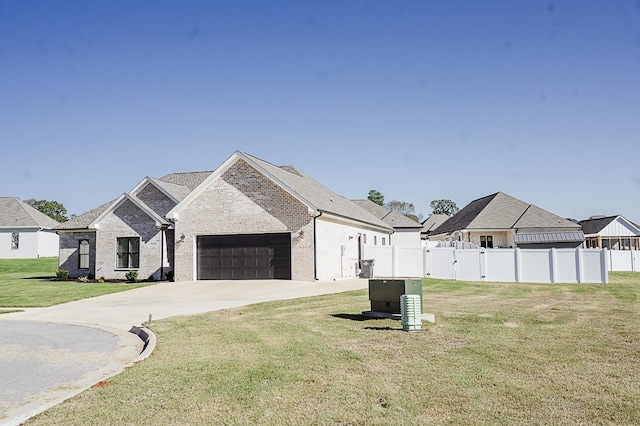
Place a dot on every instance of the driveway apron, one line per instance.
(50, 354)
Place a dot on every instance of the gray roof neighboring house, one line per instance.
(390, 217)
(433, 221)
(500, 211)
(15, 213)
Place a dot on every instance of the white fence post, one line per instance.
(579, 261)
(554, 268)
(518, 261)
(483, 265)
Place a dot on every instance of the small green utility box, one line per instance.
(385, 294)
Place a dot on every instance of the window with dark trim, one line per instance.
(384, 241)
(486, 241)
(375, 240)
(15, 240)
(83, 254)
(128, 254)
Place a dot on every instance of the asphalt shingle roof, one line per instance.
(433, 221)
(502, 211)
(594, 226)
(181, 184)
(390, 217)
(320, 196)
(84, 220)
(16, 213)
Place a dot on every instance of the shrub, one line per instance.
(83, 279)
(62, 274)
(101, 279)
(131, 276)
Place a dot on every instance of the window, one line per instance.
(15, 240)
(83, 254)
(375, 240)
(486, 241)
(364, 238)
(384, 241)
(128, 256)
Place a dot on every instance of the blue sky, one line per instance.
(420, 100)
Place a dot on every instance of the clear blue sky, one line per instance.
(420, 100)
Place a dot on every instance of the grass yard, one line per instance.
(29, 283)
(498, 354)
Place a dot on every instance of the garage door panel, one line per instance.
(255, 256)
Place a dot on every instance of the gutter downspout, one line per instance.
(163, 228)
(315, 247)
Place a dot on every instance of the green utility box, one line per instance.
(385, 294)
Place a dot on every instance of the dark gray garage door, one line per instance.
(244, 257)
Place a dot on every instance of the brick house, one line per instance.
(248, 219)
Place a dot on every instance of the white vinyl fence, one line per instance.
(501, 265)
(624, 260)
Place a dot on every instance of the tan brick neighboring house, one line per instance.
(248, 219)
(500, 220)
(25, 232)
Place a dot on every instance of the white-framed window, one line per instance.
(364, 238)
(375, 240)
(486, 241)
(128, 253)
(384, 241)
(15, 240)
(83, 254)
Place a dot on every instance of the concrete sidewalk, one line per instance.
(113, 315)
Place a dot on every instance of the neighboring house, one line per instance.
(612, 232)
(431, 223)
(406, 231)
(248, 219)
(25, 232)
(500, 220)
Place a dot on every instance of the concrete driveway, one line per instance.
(106, 321)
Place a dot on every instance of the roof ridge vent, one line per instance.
(597, 216)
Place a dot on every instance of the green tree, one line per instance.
(376, 197)
(444, 206)
(53, 209)
(406, 208)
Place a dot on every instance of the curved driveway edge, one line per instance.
(122, 314)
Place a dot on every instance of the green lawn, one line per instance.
(499, 353)
(28, 283)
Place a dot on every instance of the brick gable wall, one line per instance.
(243, 201)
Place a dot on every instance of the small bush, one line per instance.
(131, 276)
(62, 274)
(83, 279)
(169, 276)
(101, 280)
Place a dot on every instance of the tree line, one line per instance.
(442, 206)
